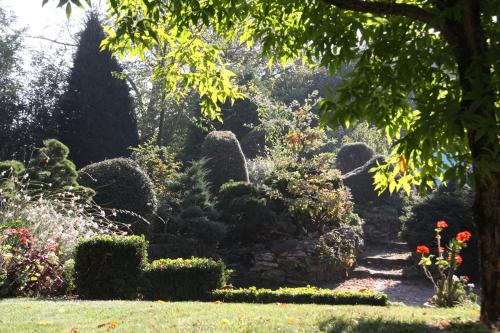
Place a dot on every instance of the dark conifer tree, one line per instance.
(95, 117)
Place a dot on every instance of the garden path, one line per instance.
(382, 267)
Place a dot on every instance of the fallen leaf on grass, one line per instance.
(44, 322)
(112, 324)
(224, 321)
(73, 330)
(291, 321)
(217, 302)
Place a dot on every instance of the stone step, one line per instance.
(394, 246)
(381, 262)
(365, 272)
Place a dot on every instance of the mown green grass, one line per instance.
(24, 315)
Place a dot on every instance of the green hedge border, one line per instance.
(304, 295)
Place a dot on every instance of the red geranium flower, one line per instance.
(442, 224)
(24, 240)
(463, 236)
(466, 278)
(23, 231)
(423, 249)
(441, 249)
(458, 259)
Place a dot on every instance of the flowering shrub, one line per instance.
(60, 218)
(28, 267)
(450, 289)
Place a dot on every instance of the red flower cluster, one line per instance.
(441, 224)
(22, 233)
(463, 236)
(423, 249)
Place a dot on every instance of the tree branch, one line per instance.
(52, 40)
(384, 8)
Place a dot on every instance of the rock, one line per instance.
(275, 275)
(285, 246)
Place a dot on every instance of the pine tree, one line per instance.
(96, 118)
(51, 171)
(197, 215)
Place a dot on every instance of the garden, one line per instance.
(211, 167)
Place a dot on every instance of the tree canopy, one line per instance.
(426, 71)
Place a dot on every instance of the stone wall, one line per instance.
(291, 262)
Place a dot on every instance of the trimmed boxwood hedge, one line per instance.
(110, 267)
(183, 279)
(303, 295)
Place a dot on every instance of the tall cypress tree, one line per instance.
(95, 117)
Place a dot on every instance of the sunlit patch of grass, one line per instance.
(24, 315)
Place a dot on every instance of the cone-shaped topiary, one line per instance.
(353, 155)
(197, 216)
(122, 186)
(51, 170)
(95, 115)
(225, 159)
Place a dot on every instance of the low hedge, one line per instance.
(183, 279)
(110, 267)
(304, 295)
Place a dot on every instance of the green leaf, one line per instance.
(68, 10)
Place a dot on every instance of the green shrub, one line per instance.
(453, 206)
(352, 156)
(11, 168)
(110, 267)
(225, 159)
(245, 211)
(304, 295)
(51, 171)
(195, 213)
(183, 279)
(122, 186)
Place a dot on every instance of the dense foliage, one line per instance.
(449, 204)
(245, 211)
(109, 267)
(183, 279)
(50, 170)
(124, 189)
(304, 295)
(195, 214)
(95, 115)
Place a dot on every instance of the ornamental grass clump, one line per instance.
(450, 289)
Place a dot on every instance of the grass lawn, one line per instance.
(24, 315)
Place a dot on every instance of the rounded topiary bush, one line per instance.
(453, 206)
(253, 144)
(122, 186)
(225, 159)
(360, 182)
(245, 211)
(353, 155)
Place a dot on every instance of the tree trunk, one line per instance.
(475, 78)
(487, 218)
